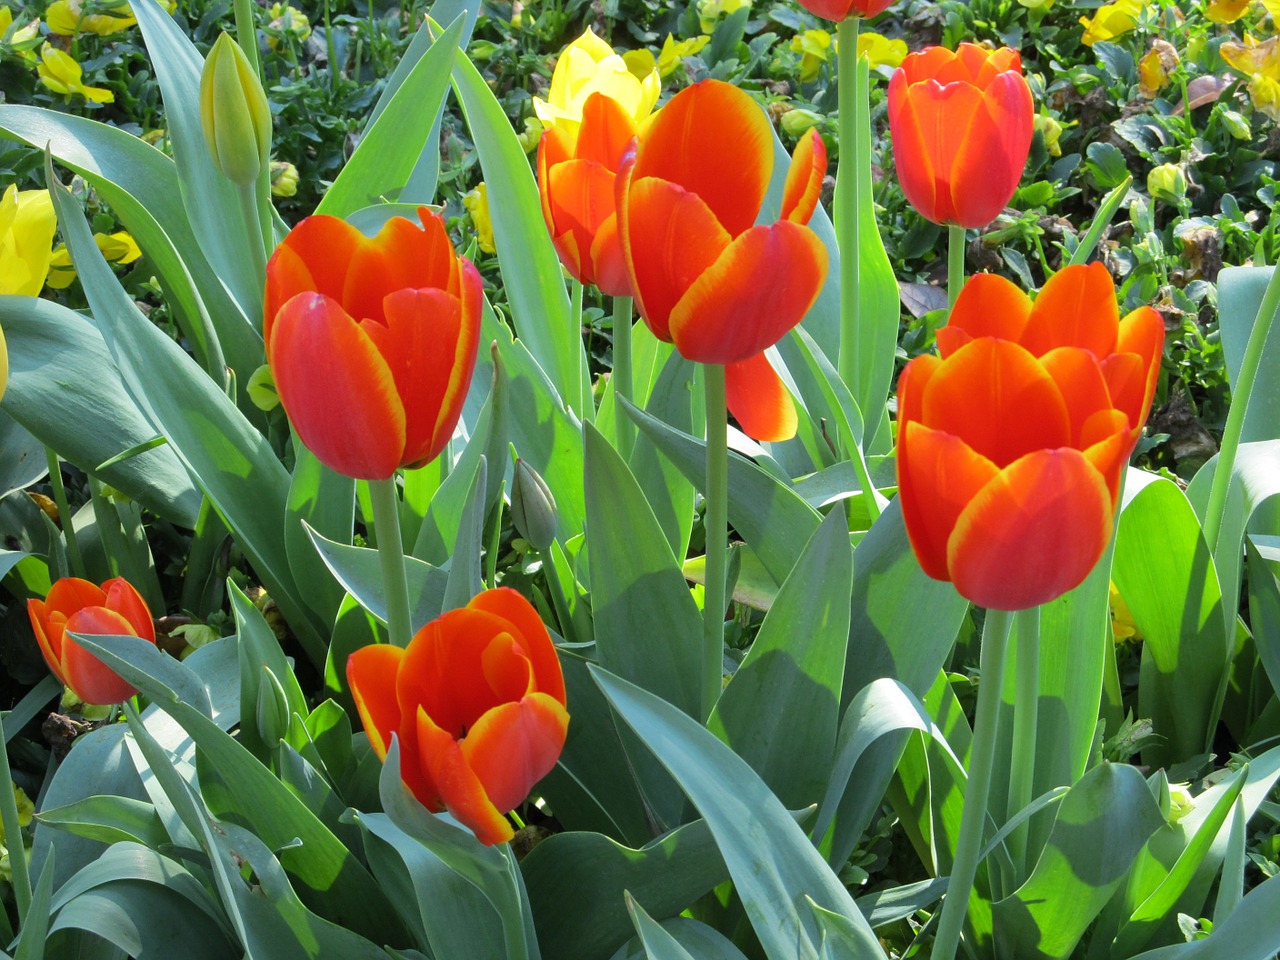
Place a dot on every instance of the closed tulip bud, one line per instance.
(1167, 182)
(533, 507)
(234, 113)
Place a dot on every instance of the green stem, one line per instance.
(869, 493)
(13, 833)
(955, 263)
(386, 519)
(1215, 510)
(624, 430)
(64, 514)
(995, 639)
(717, 533)
(577, 390)
(248, 196)
(247, 32)
(846, 200)
(1026, 706)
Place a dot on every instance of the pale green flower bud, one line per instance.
(797, 121)
(1236, 125)
(533, 508)
(1167, 182)
(234, 113)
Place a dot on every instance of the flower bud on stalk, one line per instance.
(234, 113)
(533, 507)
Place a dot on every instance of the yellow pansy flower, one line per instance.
(286, 20)
(1036, 4)
(61, 74)
(1052, 131)
(1111, 20)
(710, 11)
(1123, 626)
(27, 225)
(1155, 68)
(21, 40)
(880, 50)
(587, 66)
(477, 203)
(1226, 11)
(1252, 57)
(68, 17)
(812, 45)
(119, 247)
(1272, 7)
(674, 51)
(1264, 93)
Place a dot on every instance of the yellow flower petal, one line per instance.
(27, 225)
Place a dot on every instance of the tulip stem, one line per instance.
(247, 194)
(716, 525)
(13, 833)
(995, 640)
(1026, 706)
(578, 396)
(846, 205)
(955, 263)
(64, 514)
(624, 431)
(1216, 508)
(386, 520)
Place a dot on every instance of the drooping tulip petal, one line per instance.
(803, 186)
(515, 745)
(1031, 534)
(84, 673)
(444, 764)
(371, 673)
(758, 399)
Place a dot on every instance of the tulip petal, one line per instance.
(911, 157)
(988, 306)
(1107, 445)
(760, 287)
(514, 746)
(401, 256)
(606, 131)
(371, 674)
(669, 237)
(531, 633)
(1031, 534)
(938, 476)
(580, 198)
(1132, 370)
(444, 765)
(607, 262)
(998, 398)
(989, 161)
(91, 679)
(70, 594)
(126, 601)
(758, 399)
(49, 628)
(804, 179)
(337, 389)
(1076, 308)
(1079, 378)
(319, 242)
(713, 140)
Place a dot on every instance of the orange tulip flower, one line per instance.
(837, 10)
(78, 606)
(372, 341)
(704, 275)
(961, 125)
(576, 173)
(1011, 446)
(477, 702)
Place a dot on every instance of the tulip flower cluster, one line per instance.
(1012, 444)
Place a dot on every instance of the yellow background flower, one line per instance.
(477, 203)
(587, 66)
(710, 11)
(27, 225)
(119, 247)
(1111, 20)
(673, 51)
(880, 50)
(61, 74)
(812, 45)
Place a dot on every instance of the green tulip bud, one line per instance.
(234, 113)
(533, 508)
(1167, 182)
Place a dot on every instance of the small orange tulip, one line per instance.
(576, 174)
(961, 125)
(477, 702)
(1011, 446)
(704, 275)
(837, 10)
(78, 606)
(372, 341)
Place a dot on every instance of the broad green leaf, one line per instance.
(657, 943)
(464, 567)
(1263, 555)
(325, 500)
(780, 711)
(883, 907)
(1239, 296)
(257, 650)
(592, 872)
(31, 940)
(397, 134)
(770, 859)
(696, 938)
(144, 919)
(65, 388)
(109, 819)
(22, 456)
(1165, 573)
(168, 676)
(1248, 934)
(1112, 807)
(531, 272)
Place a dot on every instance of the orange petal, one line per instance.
(531, 633)
(49, 635)
(371, 674)
(606, 130)
(314, 257)
(337, 389)
(444, 765)
(70, 594)
(926, 64)
(713, 140)
(91, 679)
(988, 306)
(669, 237)
(401, 256)
(1079, 378)
(998, 399)
(1107, 445)
(1133, 369)
(760, 287)
(758, 399)
(938, 475)
(607, 262)
(514, 746)
(804, 179)
(1076, 308)
(1031, 534)
(989, 162)
(126, 601)
(911, 386)
(580, 198)
(911, 158)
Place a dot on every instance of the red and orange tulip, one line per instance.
(961, 125)
(78, 606)
(477, 702)
(837, 10)
(577, 167)
(704, 275)
(1011, 446)
(372, 341)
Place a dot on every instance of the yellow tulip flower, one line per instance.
(61, 74)
(27, 225)
(587, 66)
